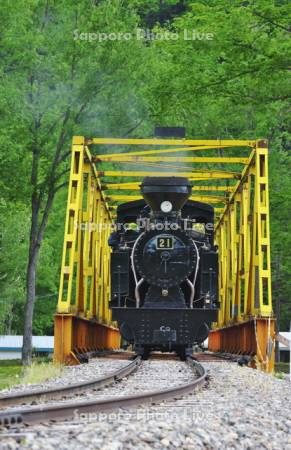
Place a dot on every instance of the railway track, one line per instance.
(30, 415)
(214, 357)
(199, 356)
(64, 391)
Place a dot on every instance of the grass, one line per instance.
(41, 371)
(11, 372)
(282, 367)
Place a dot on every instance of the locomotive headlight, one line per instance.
(166, 206)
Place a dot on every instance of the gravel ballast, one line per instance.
(240, 408)
(73, 374)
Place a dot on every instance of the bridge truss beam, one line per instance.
(242, 236)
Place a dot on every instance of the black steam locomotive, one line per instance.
(164, 268)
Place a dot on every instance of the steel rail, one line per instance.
(69, 410)
(76, 388)
(232, 357)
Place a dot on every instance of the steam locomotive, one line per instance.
(164, 268)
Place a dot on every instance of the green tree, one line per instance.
(55, 84)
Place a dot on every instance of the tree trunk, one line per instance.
(277, 292)
(29, 307)
(36, 236)
(31, 267)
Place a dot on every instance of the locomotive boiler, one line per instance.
(164, 268)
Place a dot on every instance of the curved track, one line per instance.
(67, 410)
(76, 388)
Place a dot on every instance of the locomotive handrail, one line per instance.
(137, 296)
(196, 271)
(137, 283)
(191, 285)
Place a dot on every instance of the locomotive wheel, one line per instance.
(144, 352)
(184, 352)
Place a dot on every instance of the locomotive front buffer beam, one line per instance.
(173, 328)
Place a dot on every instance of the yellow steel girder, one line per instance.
(165, 150)
(192, 142)
(84, 286)
(200, 198)
(136, 187)
(192, 175)
(242, 235)
(172, 159)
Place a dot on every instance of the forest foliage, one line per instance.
(56, 83)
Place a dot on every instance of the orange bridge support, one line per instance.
(75, 335)
(254, 337)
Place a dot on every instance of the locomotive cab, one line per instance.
(164, 272)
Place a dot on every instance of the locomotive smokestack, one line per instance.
(166, 194)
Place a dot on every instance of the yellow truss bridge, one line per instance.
(232, 175)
